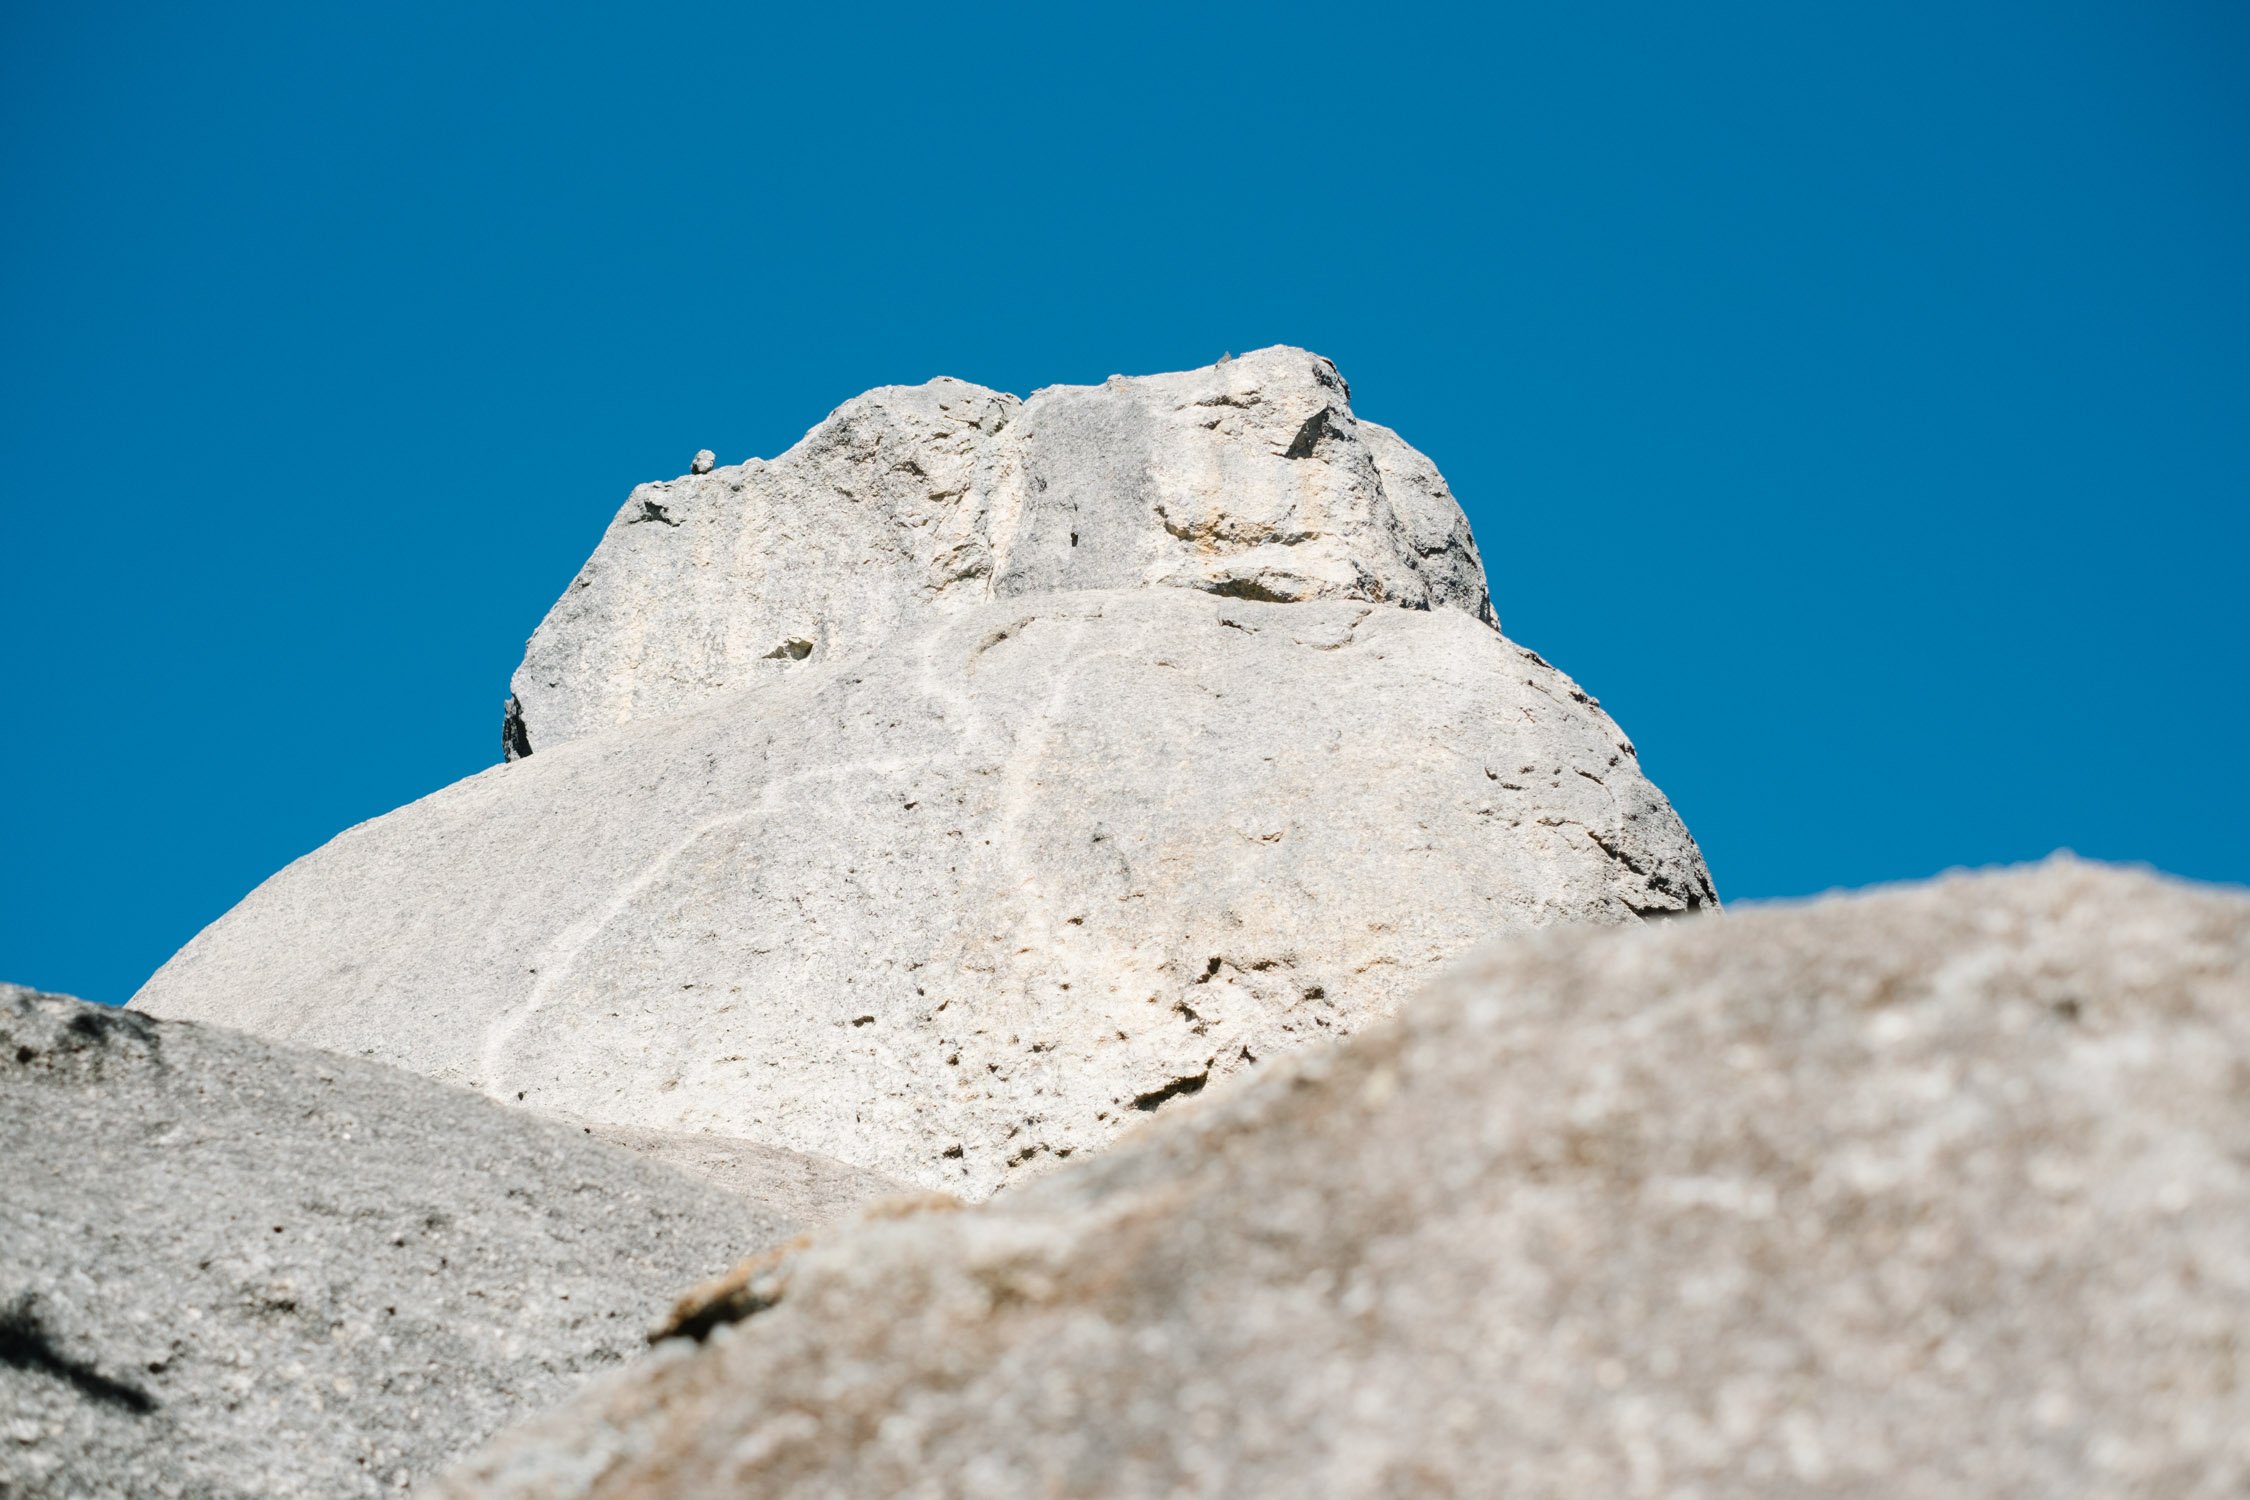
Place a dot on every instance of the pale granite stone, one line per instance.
(968, 903)
(1251, 478)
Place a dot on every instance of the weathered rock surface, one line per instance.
(232, 1269)
(797, 1185)
(1942, 1190)
(972, 902)
(970, 781)
(1251, 478)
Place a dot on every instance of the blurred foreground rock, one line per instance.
(233, 1269)
(1942, 1190)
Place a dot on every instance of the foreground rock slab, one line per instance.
(972, 903)
(233, 1269)
(1941, 1190)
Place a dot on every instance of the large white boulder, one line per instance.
(969, 902)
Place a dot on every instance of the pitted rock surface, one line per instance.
(231, 1269)
(963, 906)
(1251, 479)
(1937, 1191)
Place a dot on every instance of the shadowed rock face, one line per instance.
(1250, 479)
(973, 902)
(1934, 1191)
(232, 1269)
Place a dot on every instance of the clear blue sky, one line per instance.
(1856, 399)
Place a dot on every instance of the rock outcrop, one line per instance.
(1251, 478)
(957, 908)
(234, 1269)
(970, 781)
(1936, 1191)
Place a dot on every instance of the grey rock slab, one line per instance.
(229, 1268)
(1943, 1190)
(1251, 478)
(970, 903)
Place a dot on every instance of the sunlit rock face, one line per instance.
(973, 781)
(1250, 478)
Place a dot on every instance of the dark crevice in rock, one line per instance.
(1156, 1098)
(698, 1322)
(1321, 424)
(93, 1034)
(26, 1345)
(1619, 854)
(1691, 900)
(651, 511)
(515, 740)
(107, 1025)
(1247, 588)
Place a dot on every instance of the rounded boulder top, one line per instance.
(1250, 478)
(974, 780)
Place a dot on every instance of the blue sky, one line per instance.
(1856, 399)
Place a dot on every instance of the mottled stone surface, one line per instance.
(1250, 479)
(1943, 1190)
(959, 907)
(229, 1268)
(800, 1186)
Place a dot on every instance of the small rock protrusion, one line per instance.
(705, 460)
